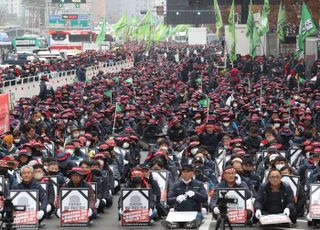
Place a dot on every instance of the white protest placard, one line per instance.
(293, 181)
(29, 199)
(237, 211)
(314, 206)
(74, 206)
(221, 153)
(181, 216)
(162, 178)
(295, 157)
(274, 219)
(135, 206)
(220, 164)
(2, 184)
(45, 186)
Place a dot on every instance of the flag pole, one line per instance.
(208, 112)
(114, 120)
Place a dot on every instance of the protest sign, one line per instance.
(29, 199)
(74, 206)
(293, 182)
(135, 206)
(237, 211)
(314, 206)
(162, 178)
(274, 219)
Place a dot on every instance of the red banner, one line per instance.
(135, 216)
(314, 210)
(237, 216)
(25, 218)
(74, 216)
(4, 113)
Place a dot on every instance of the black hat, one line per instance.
(144, 166)
(187, 167)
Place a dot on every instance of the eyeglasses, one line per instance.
(274, 177)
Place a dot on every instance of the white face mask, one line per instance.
(235, 105)
(295, 97)
(226, 124)
(279, 166)
(277, 125)
(125, 145)
(71, 151)
(198, 121)
(101, 162)
(17, 140)
(194, 151)
(38, 119)
(186, 181)
(88, 143)
(76, 134)
(165, 148)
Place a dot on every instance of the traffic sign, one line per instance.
(70, 16)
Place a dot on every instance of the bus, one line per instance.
(28, 43)
(68, 40)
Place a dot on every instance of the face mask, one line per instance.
(101, 162)
(70, 151)
(136, 180)
(45, 168)
(302, 105)
(17, 140)
(295, 97)
(38, 119)
(164, 148)
(235, 105)
(125, 145)
(279, 166)
(226, 124)
(95, 172)
(186, 181)
(194, 151)
(38, 176)
(277, 125)
(82, 133)
(76, 134)
(88, 143)
(52, 173)
(198, 121)
(200, 177)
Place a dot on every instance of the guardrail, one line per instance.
(29, 86)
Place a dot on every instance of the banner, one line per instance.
(74, 205)
(2, 184)
(236, 212)
(295, 157)
(4, 113)
(135, 206)
(30, 200)
(162, 178)
(314, 207)
(293, 181)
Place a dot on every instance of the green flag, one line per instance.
(102, 33)
(281, 22)
(204, 102)
(119, 108)
(252, 32)
(115, 78)
(264, 23)
(307, 27)
(160, 33)
(199, 80)
(217, 13)
(129, 81)
(145, 25)
(232, 31)
(108, 93)
(121, 24)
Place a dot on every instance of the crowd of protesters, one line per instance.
(177, 105)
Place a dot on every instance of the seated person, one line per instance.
(275, 197)
(229, 180)
(186, 196)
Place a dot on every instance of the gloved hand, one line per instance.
(97, 203)
(190, 193)
(49, 208)
(286, 211)
(238, 179)
(150, 212)
(181, 198)
(216, 211)
(90, 212)
(258, 213)
(58, 213)
(104, 201)
(116, 183)
(40, 214)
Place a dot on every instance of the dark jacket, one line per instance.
(43, 200)
(191, 203)
(287, 199)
